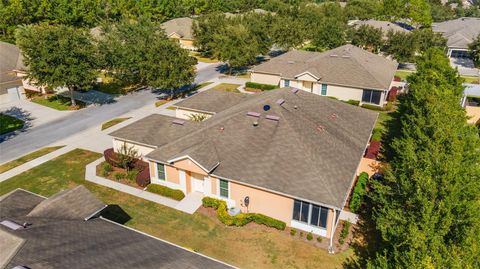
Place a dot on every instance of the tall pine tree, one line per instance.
(427, 208)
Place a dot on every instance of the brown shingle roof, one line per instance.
(145, 131)
(212, 101)
(311, 152)
(347, 65)
(180, 26)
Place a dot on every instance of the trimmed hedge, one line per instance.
(373, 150)
(242, 218)
(353, 102)
(373, 107)
(358, 192)
(263, 87)
(166, 191)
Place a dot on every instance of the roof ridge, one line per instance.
(368, 70)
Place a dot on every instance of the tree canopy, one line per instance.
(139, 53)
(426, 210)
(58, 56)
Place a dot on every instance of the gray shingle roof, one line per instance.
(145, 131)
(385, 26)
(311, 152)
(180, 26)
(77, 203)
(96, 243)
(212, 101)
(347, 65)
(459, 32)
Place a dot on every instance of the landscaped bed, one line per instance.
(113, 122)
(26, 158)
(251, 246)
(9, 124)
(58, 102)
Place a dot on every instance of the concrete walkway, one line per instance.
(190, 203)
(29, 165)
(185, 206)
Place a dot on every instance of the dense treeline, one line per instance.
(426, 210)
(238, 40)
(89, 13)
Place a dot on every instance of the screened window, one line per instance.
(287, 83)
(223, 188)
(371, 96)
(160, 171)
(309, 213)
(324, 89)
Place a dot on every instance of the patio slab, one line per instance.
(190, 203)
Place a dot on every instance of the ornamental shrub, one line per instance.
(319, 239)
(119, 176)
(166, 191)
(109, 156)
(344, 232)
(132, 174)
(293, 232)
(242, 218)
(106, 169)
(309, 236)
(373, 150)
(263, 87)
(358, 192)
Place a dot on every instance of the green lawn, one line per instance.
(246, 247)
(113, 122)
(58, 102)
(403, 74)
(227, 87)
(9, 124)
(26, 158)
(472, 80)
(110, 86)
(203, 59)
(380, 127)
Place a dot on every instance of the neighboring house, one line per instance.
(181, 29)
(471, 102)
(13, 74)
(208, 103)
(65, 231)
(459, 34)
(346, 73)
(10, 62)
(385, 26)
(294, 154)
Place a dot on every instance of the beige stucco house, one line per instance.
(180, 29)
(346, 73)
(293, 153)
(459, 34)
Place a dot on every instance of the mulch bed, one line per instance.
(111, 176)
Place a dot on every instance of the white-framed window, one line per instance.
(161, 174)
(223, 188)
(287, 83)
(310, 214)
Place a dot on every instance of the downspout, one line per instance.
(332, 231)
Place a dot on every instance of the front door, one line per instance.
(197, 183)
(308, 86)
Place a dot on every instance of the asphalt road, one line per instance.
(45, 134)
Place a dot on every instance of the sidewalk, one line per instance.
(29, 165)
(90, 175)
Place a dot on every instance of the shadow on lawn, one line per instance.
(115, 213)
(21, 114)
